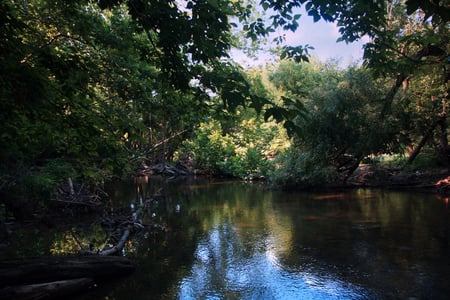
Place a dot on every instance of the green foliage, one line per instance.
(88, 88)
(105, 85)
(336, 124)
(239, 151)
(302, 169)
(38, 183)
(425, 161)
(209, 149)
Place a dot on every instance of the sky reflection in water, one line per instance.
(224, 270)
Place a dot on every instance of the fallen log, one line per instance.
(47, 290)
(55, 268)
(120, 244)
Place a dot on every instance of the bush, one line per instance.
(40, 183)
(301, 169)
(249, 166)
(221, 154)
(209, 150)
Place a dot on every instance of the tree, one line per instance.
(61, 83)
(89, 87)
(236, 143)
(339, 124)
(408, 42)
(413, 49)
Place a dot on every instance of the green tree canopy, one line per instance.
(91, 86)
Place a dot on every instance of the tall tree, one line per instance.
(408, 43)
(337, 123)
(87, 85)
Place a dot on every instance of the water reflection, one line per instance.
(239, 241)
(354, 245)
(224, 270)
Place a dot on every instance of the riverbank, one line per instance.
(62, 211)
(367, 175)
(435, 180)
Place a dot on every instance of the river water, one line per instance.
(234, 240)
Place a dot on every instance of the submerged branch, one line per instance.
(120, 244)
(125, 227)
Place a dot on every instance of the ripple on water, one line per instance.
(260, 276)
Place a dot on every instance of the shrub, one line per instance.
(301, 169)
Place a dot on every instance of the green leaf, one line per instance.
(275, 113)
(316, 18)
(291, 128)
(308, 6)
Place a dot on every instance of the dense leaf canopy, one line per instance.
(87, 88)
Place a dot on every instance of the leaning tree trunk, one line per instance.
(422, 143)
(352, 168)
(444, 149)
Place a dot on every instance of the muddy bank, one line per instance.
(437, 180)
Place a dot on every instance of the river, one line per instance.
(235, 240)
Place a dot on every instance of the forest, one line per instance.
(93, 91)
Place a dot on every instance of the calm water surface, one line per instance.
(241, 241)
(233, 240)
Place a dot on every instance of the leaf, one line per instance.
(412, 6)
(316, 18)
(275, 113)
(291, 128)
(233, 99)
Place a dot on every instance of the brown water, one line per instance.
(234, 240)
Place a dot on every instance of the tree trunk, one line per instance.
(352, 168)
(71, 189)
(391, 95)
(48, 290)
(120, 244)
(56, 268)
(444, 150)
(422, 143)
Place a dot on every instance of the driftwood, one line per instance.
(163, 169)
(46, 269)
(57, 276)
(120, 244)
(48, 290)
(126, 227)
(69, 194)
(47, 277)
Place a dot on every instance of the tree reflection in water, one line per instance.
(241, 241)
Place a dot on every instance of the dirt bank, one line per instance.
(436, 180)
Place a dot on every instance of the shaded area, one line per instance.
(58, 276)
(240, 241)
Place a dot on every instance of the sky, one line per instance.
(322, 36)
